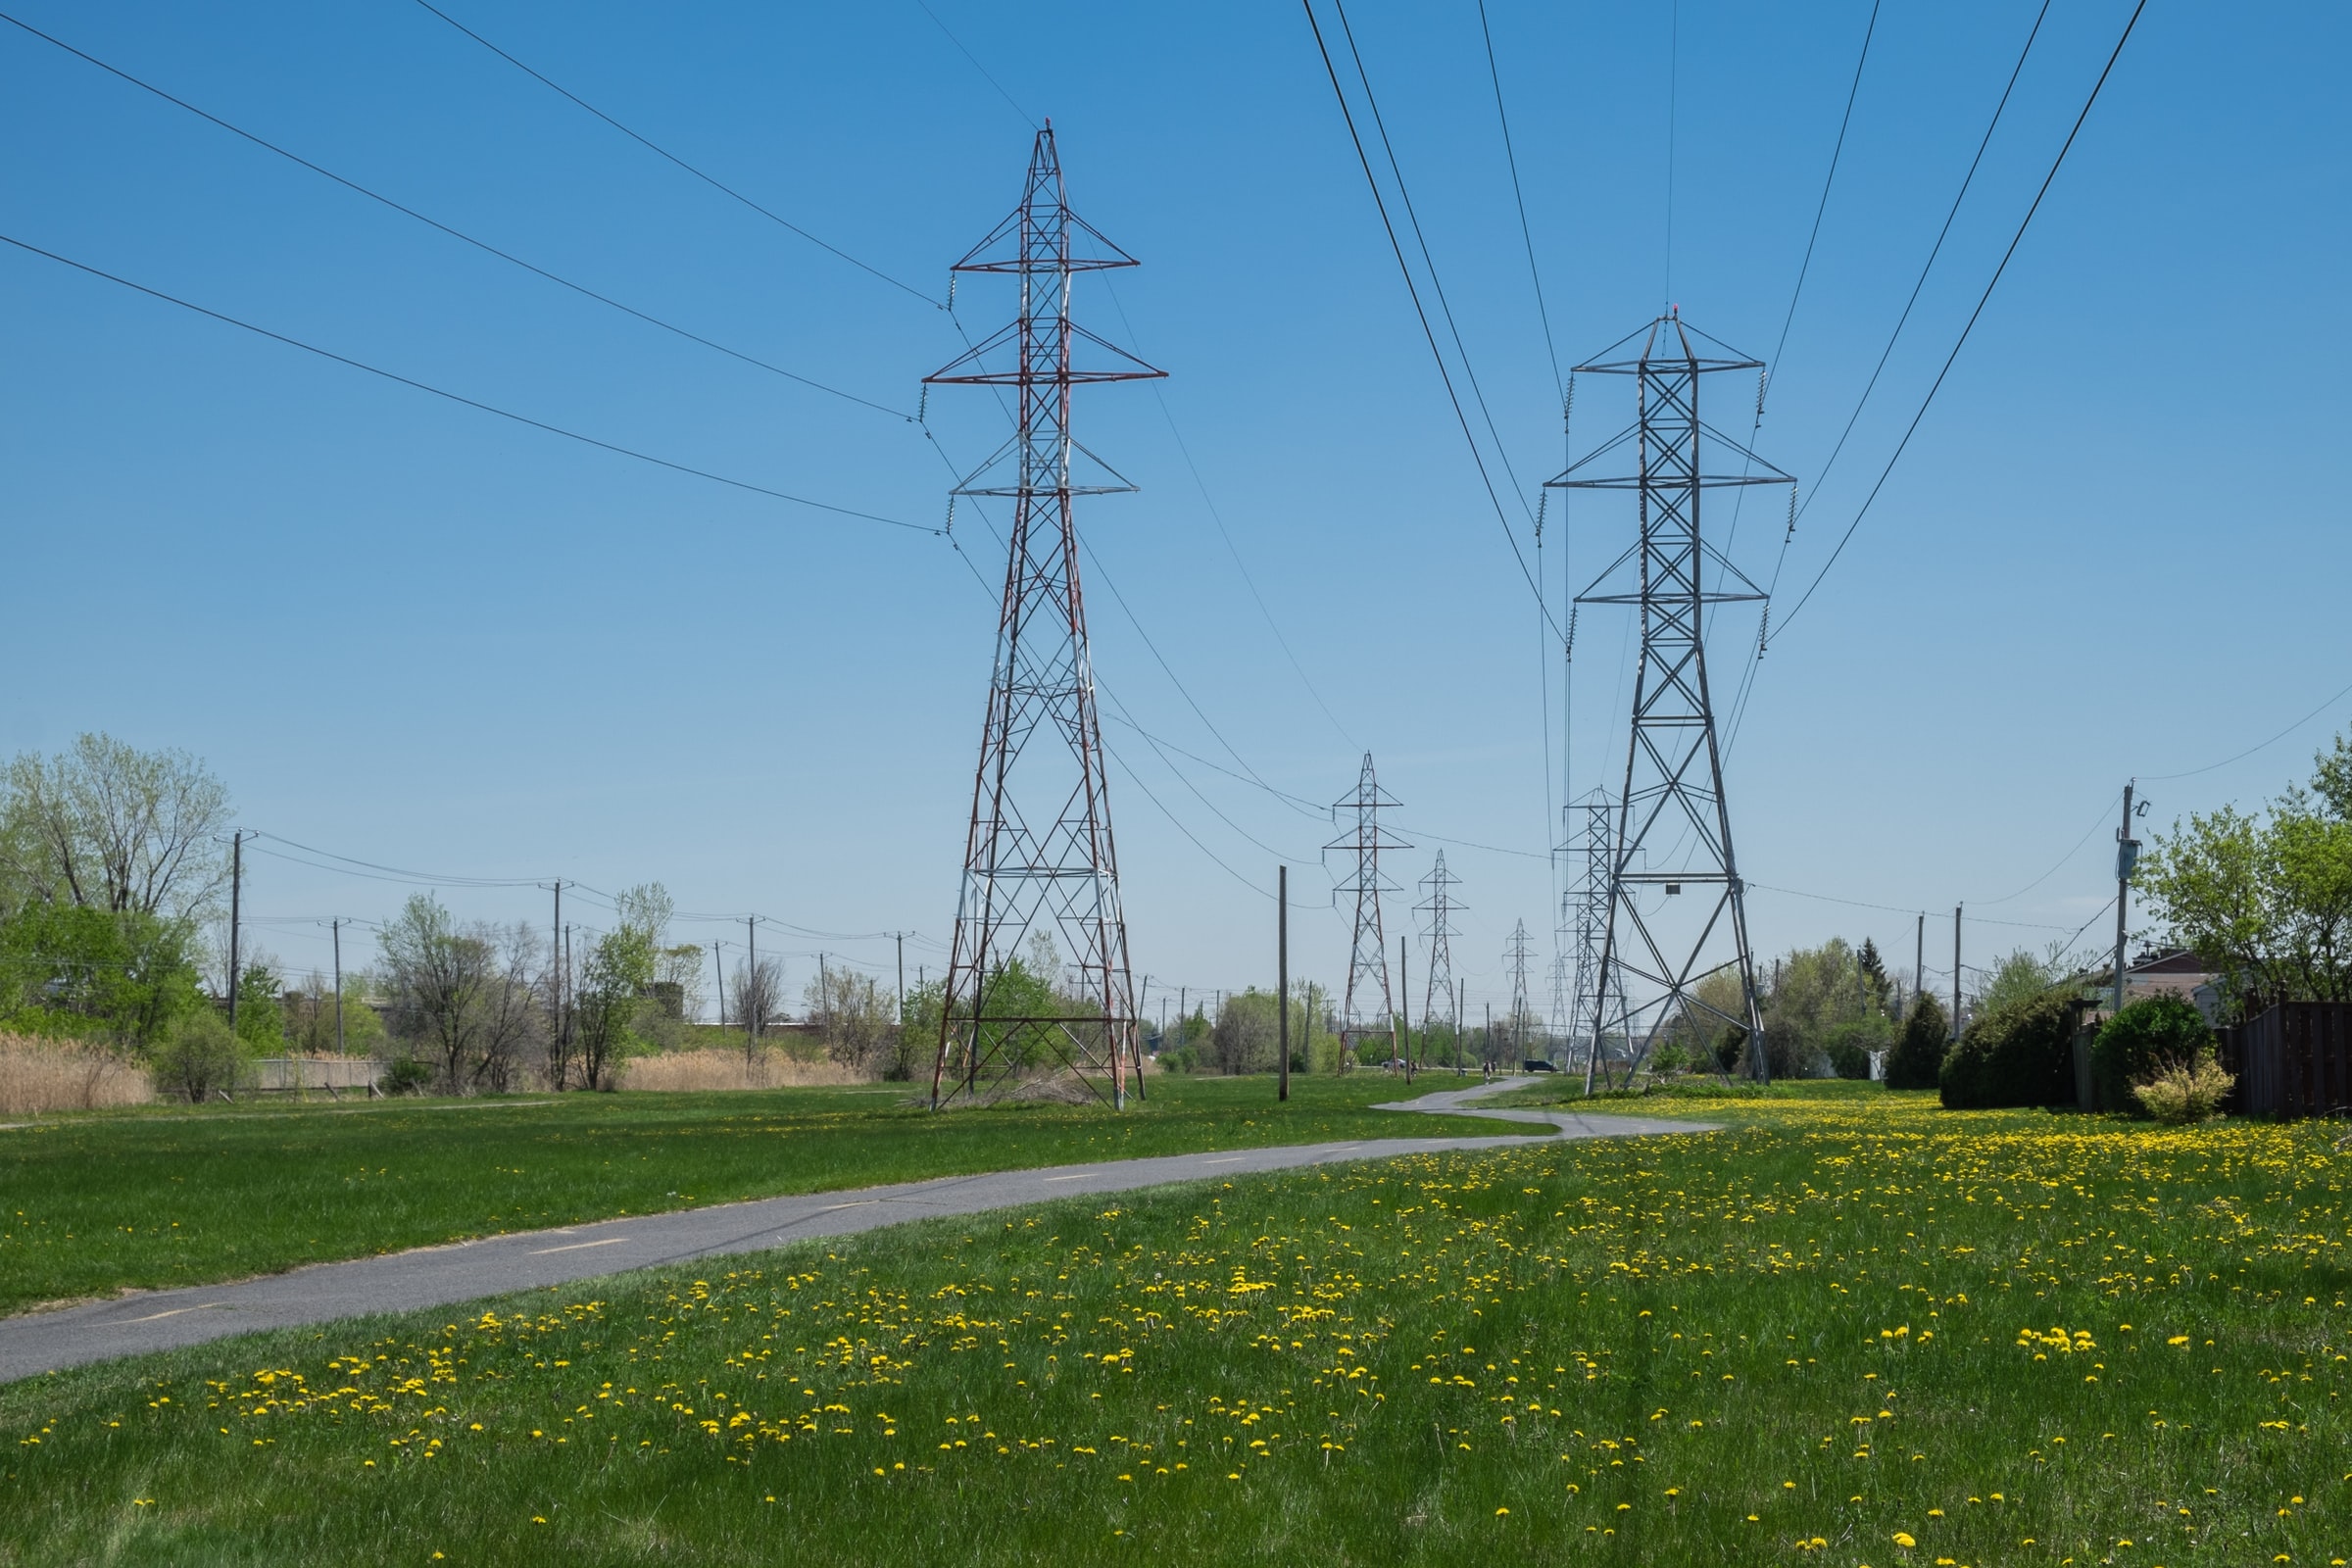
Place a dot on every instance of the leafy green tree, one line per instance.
(110, 827)
(260, 1014)
(1916, 1059)
(615, 989)
(2264, 900)
(2143, 1040)
(81, 969)
(1247, 1035)
(2023, 977)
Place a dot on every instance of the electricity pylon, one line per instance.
(1369, 954)
(1673, 826)
(1587, 907)
(1038, 857)
(1439, 907)
(1515, 956)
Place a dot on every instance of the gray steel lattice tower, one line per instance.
(1674, 827)
(1515, 953)
(1438, 906)
(1587, 906)
(1038, 859)
(1368, 953)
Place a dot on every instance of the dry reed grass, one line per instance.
(45, 1075)
(715, 1068)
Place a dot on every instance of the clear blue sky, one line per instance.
(416, 634)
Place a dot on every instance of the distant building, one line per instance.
(2166, 971)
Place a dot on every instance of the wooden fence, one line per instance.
(2293, 1061)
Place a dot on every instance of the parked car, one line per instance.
(1537, 1065)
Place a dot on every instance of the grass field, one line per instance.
(161, 1197)
(1848, 1330)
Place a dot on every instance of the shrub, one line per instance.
(199, 1057)
(1917, 1061)
(2184, 1089)
(2146, 1037)
(407, 1076)
(2019, 1054)
(1848, 1045)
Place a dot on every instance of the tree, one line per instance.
(855, 1018)
(260, 1014)
(1916, 1059)
(511, 1019)
(311, 1017)
(1246, 1036)
(78, 970)
(758, 998)
(2023, 977)
(614, 988)
(437, 977)
(106, 827)
(2264, 900)
(199, 1057)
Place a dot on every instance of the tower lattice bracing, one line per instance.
(1437, 995)
(1517, 953)
(1675, 953)
(1039, 859)
(1586, 907)
(1358, 812)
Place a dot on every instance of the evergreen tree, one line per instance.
(1917, 1061)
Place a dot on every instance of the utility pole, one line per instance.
(1955, 971)
(1673, 779)
(1486, 1046)
(1438, 906)
(1516, 955)
(336, 926)
(1404, 988)
(824, 988)
(2126, 855)
(1462, 1011)
(719, 972)
(1282, 978)
(564, 1012)
(1918, 960)
(236, 891)
(1039, 855)
(754, 1004)
(901, 940)
(555, 940)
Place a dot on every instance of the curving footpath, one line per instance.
(441, 1275)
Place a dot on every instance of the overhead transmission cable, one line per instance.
(1511, 158)
(459, 398)
(1983, 300)
(1428, 332)
(660, 151)
(461, 235)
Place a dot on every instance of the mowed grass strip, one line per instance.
(1848, 1331)
(159, 1196)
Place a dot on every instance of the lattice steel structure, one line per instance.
(1673, 828)
(1440, 934)
(1038, 857)
(1368, 953)
(1516, 953)
(1586, 907)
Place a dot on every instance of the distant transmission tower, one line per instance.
(1586, 905)
(1368, 956)
(1038, 858)
(1515, 956)
(1674, 829)
(1436, 999)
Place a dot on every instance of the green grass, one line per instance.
(159, 1197)
(1843, 1324)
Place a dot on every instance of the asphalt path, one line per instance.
(145, 1321)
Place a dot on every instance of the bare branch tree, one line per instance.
(109, 826)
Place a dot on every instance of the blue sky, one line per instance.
(412, 633)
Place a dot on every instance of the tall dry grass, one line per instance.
(715, 1068)
(44, 1075)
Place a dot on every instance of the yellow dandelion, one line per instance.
(1903, 1538)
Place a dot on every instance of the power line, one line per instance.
(1983, 300)
(471, 403)
(1428, 332)
(1026, 118)
(455, 233)
(663, 152)
(1511, 158)
(2160, 778)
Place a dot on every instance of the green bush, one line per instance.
(199, 1057)
(1917, 1061)
(2184, 1090)
(2019, 1054)
(2137, 1043)
(407, 1076)
(1848, 1045)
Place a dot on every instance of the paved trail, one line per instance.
(465, 1271)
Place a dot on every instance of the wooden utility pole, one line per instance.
(1282, 978)
(754, 1006)
(1919, 959)
(236, 891)
(1405, 989)
(2127, 855)
(336, 927)
(1955, 971)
